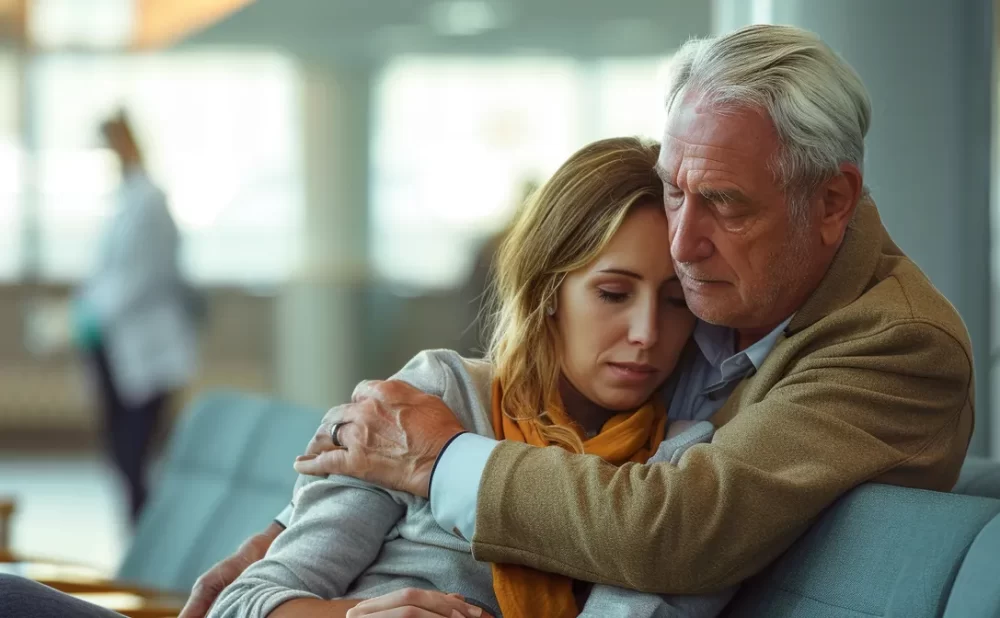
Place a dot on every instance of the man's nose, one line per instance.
(689, 241)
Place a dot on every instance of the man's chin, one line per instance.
(712, 311)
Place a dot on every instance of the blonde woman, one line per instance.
(589, 323)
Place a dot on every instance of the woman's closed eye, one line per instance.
(612, 297)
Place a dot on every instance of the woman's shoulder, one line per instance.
(432, 367)
(465, 384)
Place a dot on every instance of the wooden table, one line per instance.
(88, 584)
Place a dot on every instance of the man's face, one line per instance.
(743, 261)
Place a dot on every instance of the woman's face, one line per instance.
(621, 321)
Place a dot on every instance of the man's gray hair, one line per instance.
(816, 101)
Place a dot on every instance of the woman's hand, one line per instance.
(676, 428)
(417, 603)
(211, 584)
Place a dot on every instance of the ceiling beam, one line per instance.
(160, 23)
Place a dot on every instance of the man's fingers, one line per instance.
(322, 440)
(364, 390)
(428, 600)
(384, 390)
(327, 462)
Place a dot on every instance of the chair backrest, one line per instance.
(883, 551)
(227, 474)
(976, 592)
(979, 477)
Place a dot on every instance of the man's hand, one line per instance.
(213, 581)
(392, 434)
(418, 604)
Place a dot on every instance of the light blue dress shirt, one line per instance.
(707, 378)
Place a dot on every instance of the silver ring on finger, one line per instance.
(333, 433)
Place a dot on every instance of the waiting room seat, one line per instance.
(887, 551)
(979, 477)
(226, 474)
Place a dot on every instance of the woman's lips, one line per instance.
(633, 372)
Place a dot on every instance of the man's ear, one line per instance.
(838, 199)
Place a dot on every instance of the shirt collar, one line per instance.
(758, 351)
(718, 343)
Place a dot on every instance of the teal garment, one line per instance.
(86, 326)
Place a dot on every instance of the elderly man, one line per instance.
(825, 357)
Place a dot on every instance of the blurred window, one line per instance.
(220, 135)
(631, 97)
(457, 138)
(11, 172)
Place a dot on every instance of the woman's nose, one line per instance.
(643, 326)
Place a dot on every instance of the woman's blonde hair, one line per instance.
(564, 225)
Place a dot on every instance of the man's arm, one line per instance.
(848, 412)
(728, 508)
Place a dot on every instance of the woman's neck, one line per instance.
(587, 414)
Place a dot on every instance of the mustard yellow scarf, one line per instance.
(524, 592)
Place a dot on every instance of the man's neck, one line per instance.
(746, 337)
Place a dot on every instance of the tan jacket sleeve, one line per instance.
(843, 414)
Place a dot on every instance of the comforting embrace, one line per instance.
(697, 346)
(716, 337)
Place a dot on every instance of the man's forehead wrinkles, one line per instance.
(696, 146)
(698, 168)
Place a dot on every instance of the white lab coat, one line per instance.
(139, 297)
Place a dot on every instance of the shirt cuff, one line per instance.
(285, 516)
(455, 483)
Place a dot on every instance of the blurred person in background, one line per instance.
(135, 317)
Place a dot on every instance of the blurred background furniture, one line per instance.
(227, 472)
(6, 512)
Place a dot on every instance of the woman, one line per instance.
(589, 323)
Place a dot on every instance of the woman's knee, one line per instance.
(24, 598)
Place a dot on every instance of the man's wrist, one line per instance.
(444, 448)
(459, 475)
